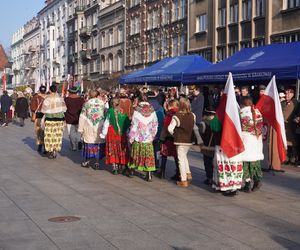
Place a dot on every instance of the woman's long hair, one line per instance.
(184, 106)
(247, 102)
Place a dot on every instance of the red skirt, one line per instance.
(116, 148)
(168, 149)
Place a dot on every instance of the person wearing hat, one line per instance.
(74, 105)
(289, 107)
(35, 107)
(210, 140)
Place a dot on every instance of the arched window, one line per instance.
(102, 69)
(110, 64)
(119, 61)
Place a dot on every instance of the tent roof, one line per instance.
(167, 71)
(253, 64)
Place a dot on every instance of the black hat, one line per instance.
(43, 88)
(73, 90)
(262, 87)
(208, 111)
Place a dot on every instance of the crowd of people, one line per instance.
(138, 129)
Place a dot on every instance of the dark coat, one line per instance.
(22, 107)
(6, 102)
(197, 107)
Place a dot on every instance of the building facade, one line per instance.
(83, 42)
(154, 30)
(53, 46)
(219, 28)
(17, 56)
(31, 40)
(111, 26)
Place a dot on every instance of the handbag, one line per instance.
(33, 115)
(208, 150)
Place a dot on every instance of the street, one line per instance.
(117, 212)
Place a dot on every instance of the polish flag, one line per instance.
(270, 107)
(228, 114)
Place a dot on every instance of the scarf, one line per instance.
(145, 109)
(118, 120)
(168, 118)
(93, 111)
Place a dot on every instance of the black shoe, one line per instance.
(207, 182)
(40, 148)
(230, 193)
(130, 173)
(149, 177)
(256, 185)
(175, 177)
(85, 164)
(96, 166)
(247, 187)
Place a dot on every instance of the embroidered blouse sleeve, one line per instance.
(154, 126)
(172, 125)
(133, 128)
(105, 128)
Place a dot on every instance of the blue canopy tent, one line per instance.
(167, 71)
(254, 65)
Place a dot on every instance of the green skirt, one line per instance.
(252, 170)
(142, 157)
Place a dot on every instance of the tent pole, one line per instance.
(297, 89)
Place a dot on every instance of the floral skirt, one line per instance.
(142, 157)
(53, 135)
(168, 149)
(228, 172)
(116, 149)
(252, 170)
(93, 150)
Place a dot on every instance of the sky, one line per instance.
(14, 14)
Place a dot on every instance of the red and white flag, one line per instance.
(270, 107)
(228, 114)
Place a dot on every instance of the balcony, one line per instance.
(79, 9)
(71, 58)
(55, 60)
(32, 49)
(85, 54)
(61, 39)
(95, 52)
(85, 32)
(71, 36)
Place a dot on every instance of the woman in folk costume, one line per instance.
(181, 127)
(252, 129)
(35, 107)
(90, 125)
(143, 130)
(114, 130)
(168, 148)
(54, 109)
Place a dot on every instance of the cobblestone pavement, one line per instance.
(121, 213)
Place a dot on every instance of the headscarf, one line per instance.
(119, 120)
(93, 111)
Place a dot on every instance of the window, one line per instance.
(102, 64)
(258, 43)
(164, 46)
(150, 20)
(150, 52)
(182, 44)
(221, 53)
(291, 38)
(293, 4)
(120, 34)
(137, 24)
(164, 14)
(247, 10)
(232, 49)
(234, 13)
(174, 46)
(175, 10)
(110, 63)
(246, 44)
(132, 26)
(110, 37)
(155, 18)
(201, 23)
(260, 8)
(182, 8)
(103, 40)
(119, 61)
(222, 17)
(156, 51)
(132, 56)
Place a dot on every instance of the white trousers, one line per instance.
(74, 136)
(184, 166)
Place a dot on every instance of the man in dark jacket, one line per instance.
(6, 102)
(197, 104)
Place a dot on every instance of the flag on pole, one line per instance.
(228, 115)
(270, 107)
